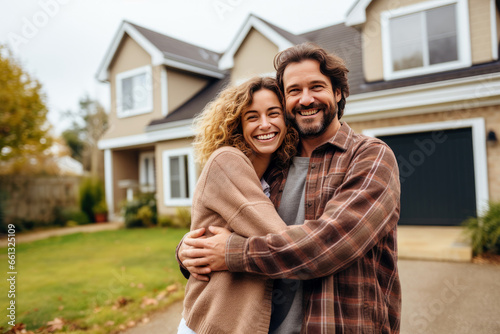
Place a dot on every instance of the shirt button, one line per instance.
(313, 166)
(309, 204)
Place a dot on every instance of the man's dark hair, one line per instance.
(329, 64)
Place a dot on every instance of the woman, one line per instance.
(239, 134)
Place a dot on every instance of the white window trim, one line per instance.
(478, 147)
(463, 45)
(168, 200)
(144, 186)
(149, 89)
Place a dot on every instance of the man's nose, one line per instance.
(306, 98)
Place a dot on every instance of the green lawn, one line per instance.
(96, 281)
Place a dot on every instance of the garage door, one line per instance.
(437, 176)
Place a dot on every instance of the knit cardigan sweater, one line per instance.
(229, 194)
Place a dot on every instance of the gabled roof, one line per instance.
(195, 104)
(281, 38)
(164, 50)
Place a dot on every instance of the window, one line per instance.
(147, 172)
(134, 92)
(179, 177)
(425, 38)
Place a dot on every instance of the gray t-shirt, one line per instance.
(288, 312)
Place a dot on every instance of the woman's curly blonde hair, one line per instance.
(219, 124)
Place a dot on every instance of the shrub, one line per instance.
(484, 231)
(136, 215)
(64, 215)
(91, 193)
(166, 221)
(182, 219)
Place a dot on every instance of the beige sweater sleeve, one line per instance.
(233, 190)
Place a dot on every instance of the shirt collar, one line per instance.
(342, 138)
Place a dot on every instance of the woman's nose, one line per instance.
(264, 123)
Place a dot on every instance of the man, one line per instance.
(345, 252)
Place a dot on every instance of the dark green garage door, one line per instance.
(437, 176)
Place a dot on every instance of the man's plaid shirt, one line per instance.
(346, 250)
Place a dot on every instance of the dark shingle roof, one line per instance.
(195, 104)
(178, 50)
(345, 42)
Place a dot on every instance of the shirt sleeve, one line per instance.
(233, 191)
(363, 210)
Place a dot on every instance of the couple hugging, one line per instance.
(294, 214)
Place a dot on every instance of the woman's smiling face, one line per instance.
(263, 123)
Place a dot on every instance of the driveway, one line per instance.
(438, 298)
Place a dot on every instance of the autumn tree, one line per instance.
(23, 123)
(88, 126)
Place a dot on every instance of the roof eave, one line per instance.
(357, 14)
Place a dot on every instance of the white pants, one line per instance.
(184, 329)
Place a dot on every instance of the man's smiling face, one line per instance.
(311, 102)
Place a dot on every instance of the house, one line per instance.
(424, 77)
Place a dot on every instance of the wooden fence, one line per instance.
(34, 198)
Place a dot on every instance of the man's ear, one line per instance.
(338, 95)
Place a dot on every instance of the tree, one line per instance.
(23, 123)
(88, 126)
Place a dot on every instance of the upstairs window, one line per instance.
(134, 92)
(425, 38)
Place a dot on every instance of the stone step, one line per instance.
(437, 243)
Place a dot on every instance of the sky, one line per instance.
(61, 43)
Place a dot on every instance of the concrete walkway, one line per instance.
(438, 298)
(37, 235)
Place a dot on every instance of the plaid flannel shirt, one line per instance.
(346, 250)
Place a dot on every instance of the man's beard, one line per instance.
(309, 130)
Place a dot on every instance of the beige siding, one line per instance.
(182, 86)
(160, 148)
(129, 56)
(492, 120)
(255, 56)
(480, 29)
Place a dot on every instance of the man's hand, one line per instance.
(208, 254)
(198, 273)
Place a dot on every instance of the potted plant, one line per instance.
(101, 212)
